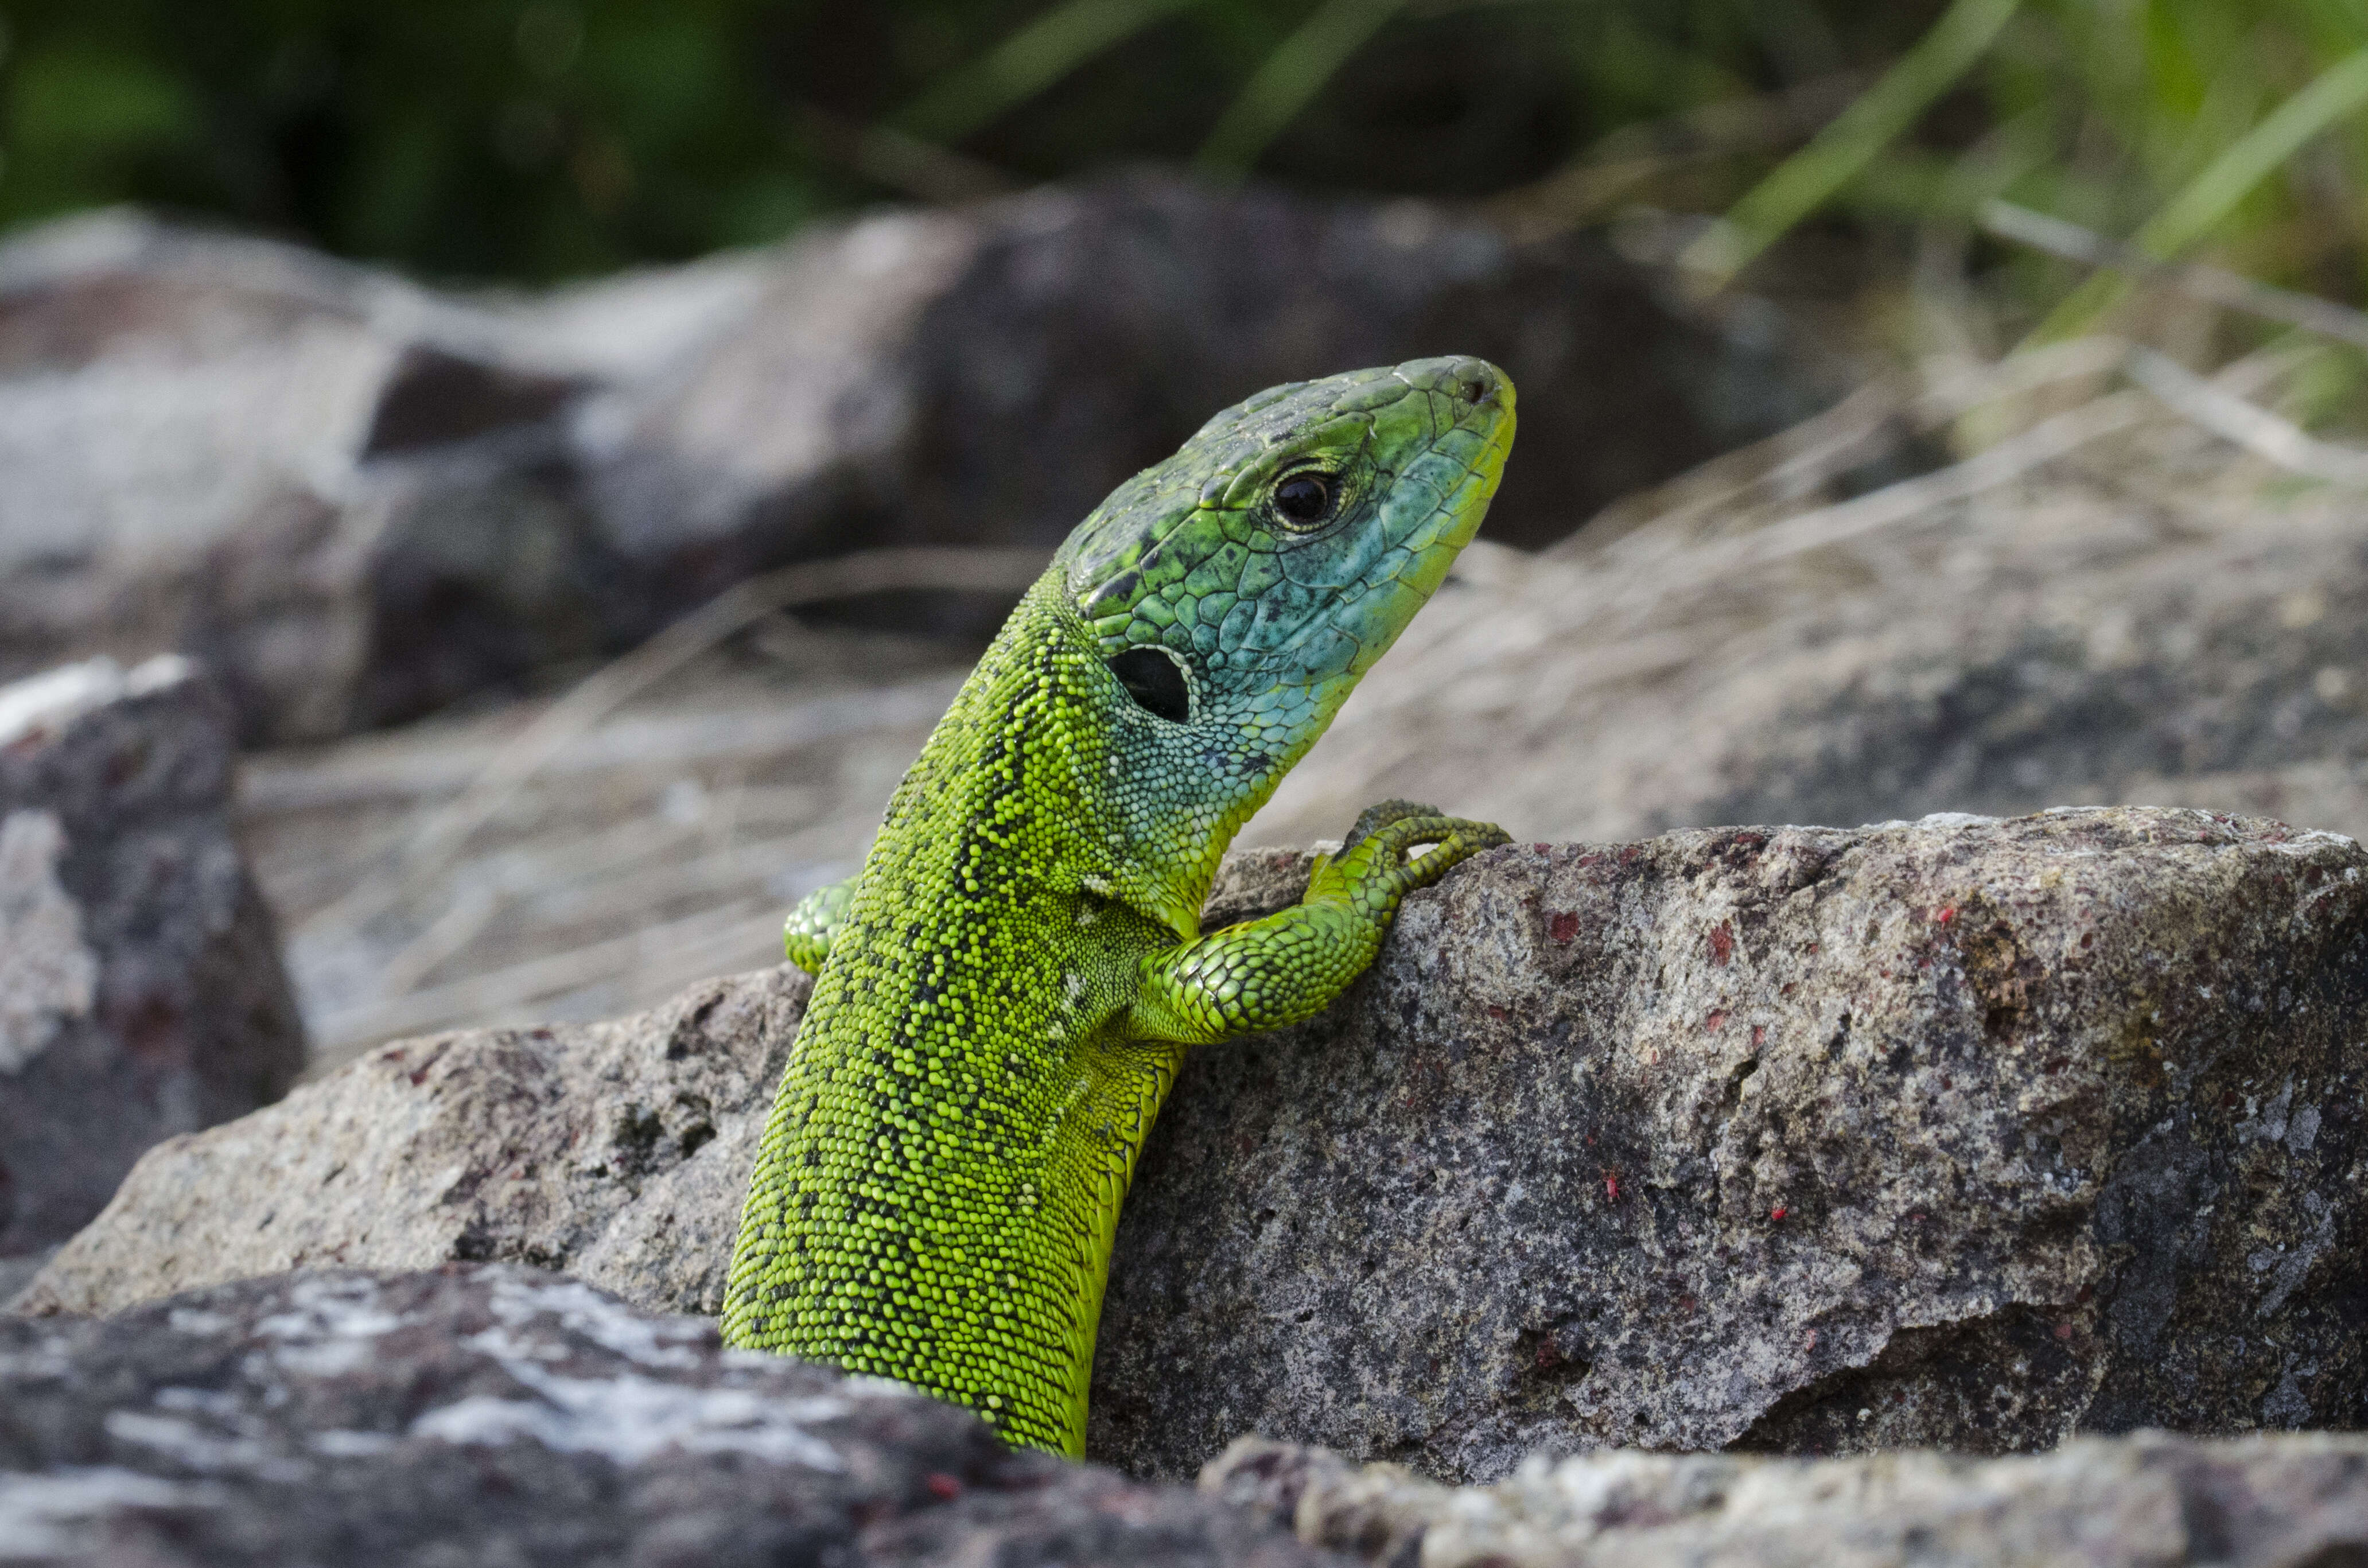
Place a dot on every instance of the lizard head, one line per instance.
(1235, 593)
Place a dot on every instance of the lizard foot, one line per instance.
(1375, 867)
(815, 923)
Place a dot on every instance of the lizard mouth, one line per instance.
(1357, 592)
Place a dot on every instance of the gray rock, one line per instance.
(2146, 1501)
(1997, 1131)
(1963, 1132)
(502, 1416)
(617, 1151)
(348, 495)
(358, 499)
(140, 990)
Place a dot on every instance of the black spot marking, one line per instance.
(1154, 679)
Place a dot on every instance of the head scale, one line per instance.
(1238, 591)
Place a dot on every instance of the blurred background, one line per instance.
(555, 138)
(586, 440)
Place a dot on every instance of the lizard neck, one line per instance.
(1085, 792)
(938, 1192)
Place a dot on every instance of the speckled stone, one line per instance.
(1961, 1132)
(505, 1418)
(2150, 1500)
(617, 1151)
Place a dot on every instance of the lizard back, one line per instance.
(956, 1129)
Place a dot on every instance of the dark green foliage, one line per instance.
(484, 137)
(536, 139)
(533, 139)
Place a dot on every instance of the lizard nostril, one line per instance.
(1476, 390)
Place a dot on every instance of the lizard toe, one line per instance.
(1381, 814)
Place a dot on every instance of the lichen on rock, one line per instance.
(505, 1416)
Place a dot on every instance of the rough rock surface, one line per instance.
(619, 1152)
(1995, 1131)
(140, 990)
(1963, 1132)
(358, 499)
(503, 1416)
(2146, 1501)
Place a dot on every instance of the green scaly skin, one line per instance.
(1006, 990)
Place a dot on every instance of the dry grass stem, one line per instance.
(2249, 426)
(2212, 284)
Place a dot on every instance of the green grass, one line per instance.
(1839, 154)
(533, 139)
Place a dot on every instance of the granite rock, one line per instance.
(1961, 1132)
(2150, 1500)
(141, 988)
(617, 1151)
(502, 1416)
(1995, 1132)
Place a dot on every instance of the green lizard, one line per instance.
(1008, 986)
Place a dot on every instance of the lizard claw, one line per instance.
(1376, 862)
(1381, 814)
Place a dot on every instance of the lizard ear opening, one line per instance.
(1155, 678)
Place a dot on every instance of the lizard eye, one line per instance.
(1156, 680)
(1304, 498)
